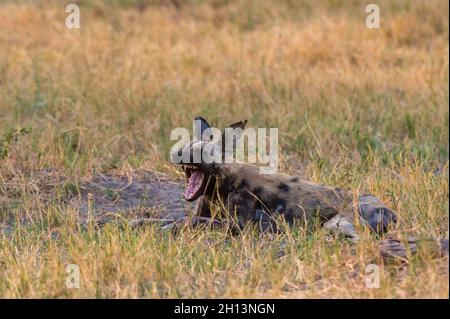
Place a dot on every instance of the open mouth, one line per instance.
(195, 181)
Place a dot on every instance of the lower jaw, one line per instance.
(190, 199)
(193, 198)
(196, 195)
(204, 186)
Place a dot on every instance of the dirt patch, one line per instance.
(103, 197)
(140, 193)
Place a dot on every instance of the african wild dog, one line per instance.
(254, 197)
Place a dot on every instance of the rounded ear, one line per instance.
(200, 125)
(237, 130)
(240, 124)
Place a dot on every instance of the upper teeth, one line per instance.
(184, 166)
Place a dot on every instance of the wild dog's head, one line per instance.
(201, 158)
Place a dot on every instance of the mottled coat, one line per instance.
(260, 198)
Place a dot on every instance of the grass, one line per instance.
(362, 109)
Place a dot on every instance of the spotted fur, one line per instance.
(254, 197)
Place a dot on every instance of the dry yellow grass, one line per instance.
(366, 110)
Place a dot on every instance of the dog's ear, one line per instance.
(200, 125)
(236, 129)
(240, 124)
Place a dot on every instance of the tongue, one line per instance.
(194, 184)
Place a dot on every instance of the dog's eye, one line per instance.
(208, 138)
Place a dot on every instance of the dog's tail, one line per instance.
(392, 247)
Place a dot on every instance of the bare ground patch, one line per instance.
(102, 198)
(137, 194)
